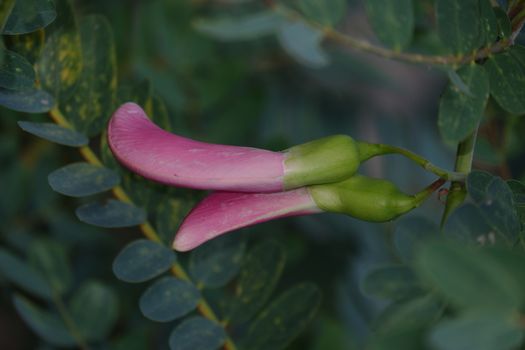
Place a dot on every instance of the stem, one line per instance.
(423, 195)
(365, 46)
(369, 150)
(70, 323)
(457, 190)
(147, 229)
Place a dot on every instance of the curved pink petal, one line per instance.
(161, 156)
(222, 212)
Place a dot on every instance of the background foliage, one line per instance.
(430, 75)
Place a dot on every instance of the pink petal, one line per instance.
(222, 212)
(161, 156)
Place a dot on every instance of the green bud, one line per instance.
(367, 199)
(326, 160)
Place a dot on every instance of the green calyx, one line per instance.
(326, 160)
(368, 199)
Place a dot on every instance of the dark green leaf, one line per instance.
(240, 28)
(489, 30)
(28, 101)
(279, 323)
(411, 233)
(168, 299)
(326, 13)
(30, 15)
(477, 185)
(197, 333)
(391, 282)
(28, 45)
(261, 269)
(169, 214)
(142, 260)
(468, 225)
(466, 277)
(24, 275)
(217, 262)
(113, 213)
(48, 326)
(16, 73)
(303, 43)
(504, 26)
(392, 21)
(55, 133)
(82, 179)
(460, 35)
(50, 258)
(507, 79)
(480, 331)
(94, 99)
(459, 112)
(94, 309)
(6, 8)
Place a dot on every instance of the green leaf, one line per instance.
(30, 15)
(6, 8)
(24, 275)
(28, 101)
(460, 35)
(326, 13)
(261, 269)
(467, 224)
(142, 260)
(50, 258)
(240, 28)
(60, 64)
(392, 21)
(410, 233)
(16, 73)
(283, 320)
(113, 213)
(459, 112)
(94, 309)
(466, 277)
(82, 179)
(477, 330)
(217, 262)
(303, 43)
(55, 133)
(28, 45)
(168, 299)
(197, 333)
(477, 185)
(94, 99)
(391, 282)
(488, 30)
(169, 213)
(504, 26)
(48, 326)
(507, 79)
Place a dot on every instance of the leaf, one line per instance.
(94, 99)
(326, 13)
(28, 45)
(168, 299)
(261, 269)
(30, 15)
(216, 262)
(504, 26)
(142, 260)
(476, 330)
(48, 326)
(459, 112)
(82, 179)
(507, 79)
(477, 185)
(410, 233)
(60, 64)
(94, 309)
(24, 275)
(303, 43)
(488, 29)
(197, 333)
(392, 21)
(28, 101)
(248, 27)
(55, 133)
(16, 73)
(391, 282)
(6, 7)
(169, 214)
(460, 35)
(50, 258)
(468, 225)
(113, 213)
(467, 278)
(283, 320)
